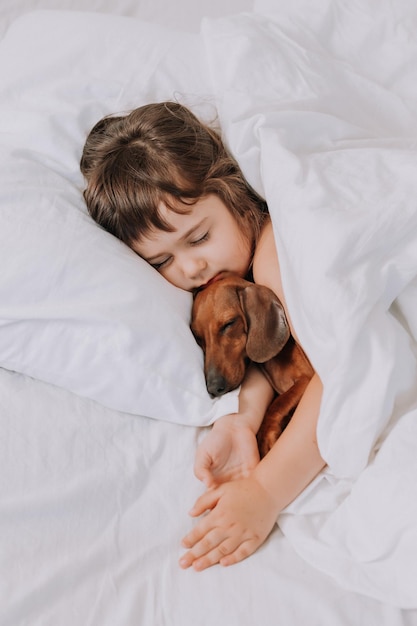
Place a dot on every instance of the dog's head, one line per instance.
(234, 321)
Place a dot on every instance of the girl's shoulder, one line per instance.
(266, 269)
(265, 259)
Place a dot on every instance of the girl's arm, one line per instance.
(230, 450)
(243, 512)
(294, 461)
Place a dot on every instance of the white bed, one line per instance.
(102, 395)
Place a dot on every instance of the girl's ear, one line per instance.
(268, 330)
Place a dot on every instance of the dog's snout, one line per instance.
(216, 384)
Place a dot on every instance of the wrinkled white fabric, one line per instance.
(326, 130)
(317, 101)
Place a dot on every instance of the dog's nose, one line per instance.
(216, 385)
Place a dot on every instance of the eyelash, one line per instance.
(197, 242)
(200, 239)
(158, 266)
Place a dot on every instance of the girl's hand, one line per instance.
(228, 452)
(241, 515)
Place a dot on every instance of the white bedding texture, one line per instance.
(102, 393)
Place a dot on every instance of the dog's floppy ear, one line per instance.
(268, 330)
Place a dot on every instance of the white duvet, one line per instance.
(318, 101)
(325, 127)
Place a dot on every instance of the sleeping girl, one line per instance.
(164, 183)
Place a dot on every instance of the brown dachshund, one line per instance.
(235, 322)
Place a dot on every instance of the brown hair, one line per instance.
(161, 152)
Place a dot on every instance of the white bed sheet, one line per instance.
(93, 501)
(92, 511)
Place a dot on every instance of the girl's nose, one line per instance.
(193, 266)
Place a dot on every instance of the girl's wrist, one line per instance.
(251, 420)
(271, 486)
(239, 420)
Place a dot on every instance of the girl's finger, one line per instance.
(223, 550)
(201, 543)
(241, 552)
(201, 530)
(202, 465)
(205, 502)
(205, 475)
(210, 550)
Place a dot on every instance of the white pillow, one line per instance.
(78, 309)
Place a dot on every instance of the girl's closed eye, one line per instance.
(201, 239)
(161, 264)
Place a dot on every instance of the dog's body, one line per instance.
(235, 322)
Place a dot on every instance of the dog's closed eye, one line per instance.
(227, 326)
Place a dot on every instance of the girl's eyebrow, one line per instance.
(192, 230)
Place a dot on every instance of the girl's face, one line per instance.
(203, 243)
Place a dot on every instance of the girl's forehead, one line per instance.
(169, 213)
(180, 215)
